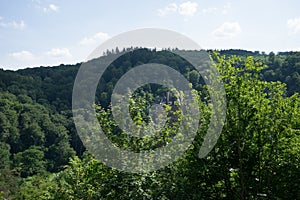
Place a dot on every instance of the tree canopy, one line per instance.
(256, 157)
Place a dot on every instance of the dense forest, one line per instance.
(256, 157)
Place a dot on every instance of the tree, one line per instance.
(4, 156)
(30, 161)
(36, 187)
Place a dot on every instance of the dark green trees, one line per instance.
(32, 140)
(256, 157)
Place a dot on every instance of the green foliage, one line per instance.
(30, 161)
(257, 155)
(9, 183)
(89, 179)
(36, 187)
(258, 119)
(4, 156)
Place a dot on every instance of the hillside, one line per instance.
(256, 156)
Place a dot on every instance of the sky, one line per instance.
(37, 33)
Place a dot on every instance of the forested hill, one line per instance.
(256, 156)
(52, 86)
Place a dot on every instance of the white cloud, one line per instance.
(294, 25)
(171, 8)
(188, 8)
(185, 9)
(217, 10)
(23, 56)
(57, 52)
(228, 29)
(209, 10)
(51, 7)
(226, 7)
(94, 39)
(36, 1)
(12, 24)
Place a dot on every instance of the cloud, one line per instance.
(57, 52)
(12, 24)
(294, 25)
(226, 7)
(171, 8)
(36, 1)
(23, 56)
(209, 10)
(94, 39)
(51, 7)
(188, 8)
(217, 10)
(185, 9)
(227, 29)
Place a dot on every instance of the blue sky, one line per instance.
(50, 32)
